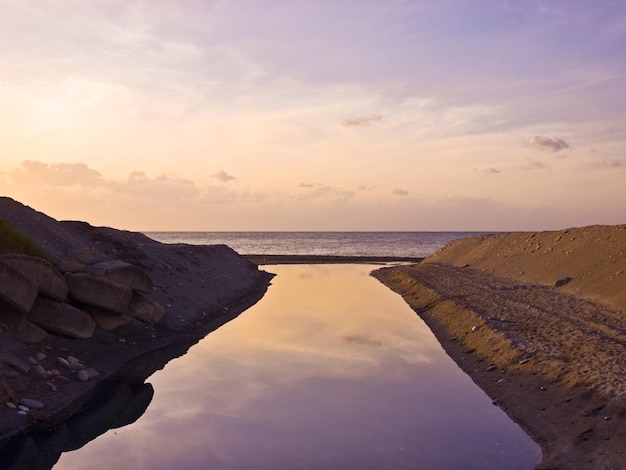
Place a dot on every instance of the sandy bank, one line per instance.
(552, 357)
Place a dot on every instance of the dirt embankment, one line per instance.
(552, 357)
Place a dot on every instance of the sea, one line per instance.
(383, 244)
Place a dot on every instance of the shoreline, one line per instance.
(577, 422)
(328, 259)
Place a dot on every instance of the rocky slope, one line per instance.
(121, 305)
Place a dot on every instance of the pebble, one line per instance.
(523, 361)
(32, 360)
(23, 408)
(41, 372)
(31, 404)
(11, 373)
(40, 356)
(63, 362)
(490, 368)
(475, 328)
(22, 412)
(82, 375)
(11, 405)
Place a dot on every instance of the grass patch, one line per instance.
(7, 393)
(12, 241)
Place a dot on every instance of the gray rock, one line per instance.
(16, 289)
(123, 274)
(99, 292)
(49, 281)
(18, 327)
(107, 320)
(562, 281)
(61, 318)
(145, 309)
(32, 404)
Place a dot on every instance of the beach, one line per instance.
(535, 319)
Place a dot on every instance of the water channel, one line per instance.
(330, 370)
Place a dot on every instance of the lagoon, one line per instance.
(331, 370)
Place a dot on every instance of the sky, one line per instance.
(315, 115)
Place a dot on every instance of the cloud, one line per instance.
(604, 163)
(306, 185)
(532, 164)
(400, 192)
(547, 144)
(223, 176)
(56, 174)
(362, 120)
(492, 171)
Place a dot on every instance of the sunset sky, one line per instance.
(315, 115)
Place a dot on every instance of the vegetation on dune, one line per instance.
(12, 241)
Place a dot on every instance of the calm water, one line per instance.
(411, 244)
(330, 370)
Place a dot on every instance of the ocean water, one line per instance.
(400, 244)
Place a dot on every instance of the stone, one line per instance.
(99, 292)
(15, 325)
(86, 374)
(145, 309)
(107, 320)
(123, 274)
(50, 282)
(32, 404)
(562, 281)
(40, 356)
(41, 372)
(16, 289)
(61, 318)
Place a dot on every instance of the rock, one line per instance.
(70, 267)
(16, 289)
(49, 281)
(61, 318)
(40, 372)
(106, 320)
(15, 362)
(31, 404)
(99, 292)
(145, 309)
(40, 356)
(475, 328)
(11, 405)
(562, 281)
(123, 274)
(490, 368)
(19, 328)
(86, 374)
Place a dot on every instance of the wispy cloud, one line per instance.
(56, 174)
(223, 176)
(532, 164)
(492, 171)
(547, 144)
(362, 121)
(400, 192)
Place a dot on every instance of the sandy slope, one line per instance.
(553, 358)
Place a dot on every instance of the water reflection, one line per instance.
(329, 370)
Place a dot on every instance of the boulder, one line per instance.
(107, 320)
(99, 292)
(16, 289)
(124, 274)
(15, 325)
(61, 318)
(49, 281)
(145, 309)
